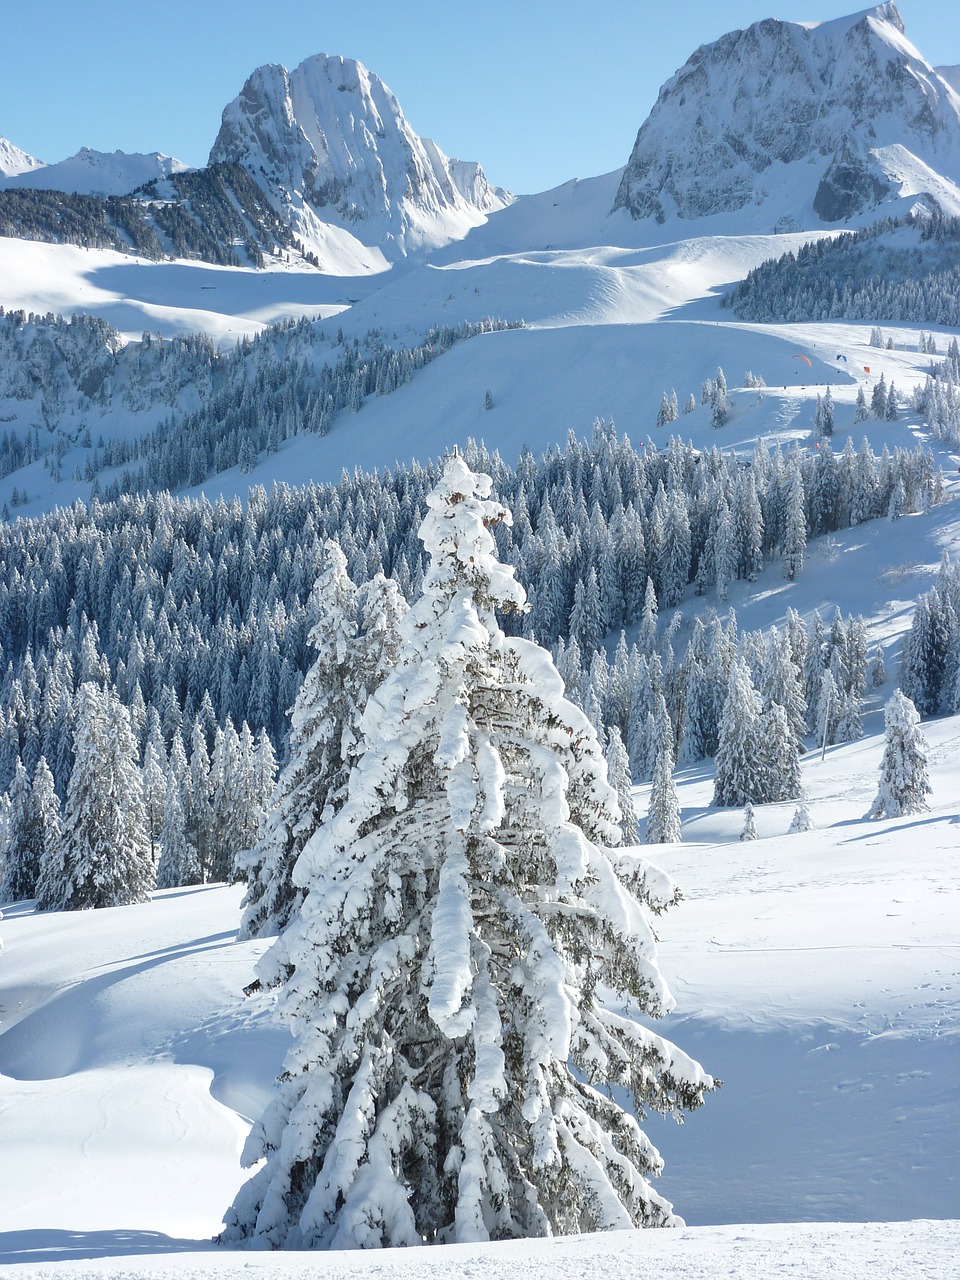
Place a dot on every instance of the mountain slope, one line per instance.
(95, 173)
(14, 162)
(798, 124)
(342, 161)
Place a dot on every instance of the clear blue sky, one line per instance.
(537, 92)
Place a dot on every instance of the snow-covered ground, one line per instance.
(817, 974)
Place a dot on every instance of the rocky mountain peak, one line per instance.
(333, 146)
(809, 122)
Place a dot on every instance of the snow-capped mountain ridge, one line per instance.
(333, 144)
(14, 162)
(89, 172)
(731, 127)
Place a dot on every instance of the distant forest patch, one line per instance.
(901, 269)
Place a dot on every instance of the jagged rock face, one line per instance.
(331, 134)
(851, 101)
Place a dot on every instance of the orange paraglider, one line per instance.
(799, 356)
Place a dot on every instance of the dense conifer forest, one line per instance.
(899, 269)
(218, 215)
(196, 616)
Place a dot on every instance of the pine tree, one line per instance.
(618, 772)
(780, 756)
(749, 831)
(325, 724)
(801, 821)
(741, 774)
(178, 864)
(20, 864)
(45, 822)
(663, 814)
(904, 784)
(446, 1081)
(103, 856)
(878, 400)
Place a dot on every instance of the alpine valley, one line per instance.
(718, 391)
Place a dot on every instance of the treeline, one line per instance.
(904, 270)
(938, 400)
(201, 610)
(218, 215)
(280, 383)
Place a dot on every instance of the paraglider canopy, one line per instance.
(799, 356)
(843, 358)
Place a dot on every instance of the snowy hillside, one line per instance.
(358, 185)
(173, 460)
(797, 124)
(95, 173)
(816, 973)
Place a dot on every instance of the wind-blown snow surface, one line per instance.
(818, 974)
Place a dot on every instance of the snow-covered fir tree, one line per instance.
(20, 868)
(749, 829)
(179, 863)
(102, 858)
(802, 819)
(323, 736)
(741, 771)
(463, 911)
(663, 813)
(618, 773)
(904, 782)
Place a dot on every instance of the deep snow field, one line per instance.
(818, 975)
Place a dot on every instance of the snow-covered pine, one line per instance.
(663, 814)
(102, 858)
(618, 773)
(749, 831)
(462, 914)
(20, 869)
(904, 784)
(179, 863)
(802, 820)
(355, 635)
(45, 818)
(741, 772)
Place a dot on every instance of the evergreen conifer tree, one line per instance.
(749, 831)
(462, 911)
(102, 858)
(904, 784)
(741, 772)
(802, 821)
(663, 814)
(618, 772)
(20, 864)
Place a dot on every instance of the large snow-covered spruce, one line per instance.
(463, 922)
